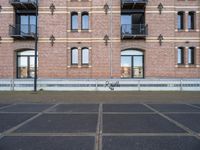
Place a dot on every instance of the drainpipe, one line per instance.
(111, 42)
(36, 48)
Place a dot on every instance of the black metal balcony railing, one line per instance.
(23, 31)
(24, 4)
(134, 30)
(133, 1)
(130, 4)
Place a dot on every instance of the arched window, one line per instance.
(180, 21)
(191, 20)
(26, 64)
(132, 64)
(74, 56)
(74, 21)
(85, 21)
(85, 56)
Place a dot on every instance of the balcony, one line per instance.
(132, 31)
(24, 4)
(136, 4)
(22, 31)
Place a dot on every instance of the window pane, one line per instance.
(85, 56)
(22, 67)
(75, 56)
(138, 66)
(126, 69)
(191, 56)
(180, 21)
(126, 21)
(191, 20)
(74, 21)
(85, 21)
(180, 56)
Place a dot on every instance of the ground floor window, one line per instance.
(132, 64)
(26, 64)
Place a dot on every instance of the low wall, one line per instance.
(101, 85)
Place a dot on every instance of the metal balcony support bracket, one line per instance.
(52, 40)
(106, 8)
(52, 8)
(160, 38)
(0, 8)
(106, 39)
(160, 8)
(0, 39)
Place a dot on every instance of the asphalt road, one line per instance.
(139, 126)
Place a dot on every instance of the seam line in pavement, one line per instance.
(147, 134)
(52, 134)
(174, 122)
(7, 132)
(99, 129)
(7, 106)
(194, 106)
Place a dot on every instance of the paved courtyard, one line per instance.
(138, 126)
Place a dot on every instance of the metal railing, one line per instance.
(23, 1)
(134, 30)
(133, 1)
(22, 30)
(101, 84)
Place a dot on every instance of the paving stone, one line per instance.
(125, 108)
(138, 123)
(174, 108)
(150, 143)
(76, 108)
(47, 143)
(26, 108)
(8, 121)
(192, 121)
(61, 123)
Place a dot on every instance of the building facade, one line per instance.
(100, 38)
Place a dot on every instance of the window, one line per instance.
(26, 24)
(132, 64)
(26, 64)
(85, 21)
(180, 55)
(191, 55)
(74, 56)
(191, 21)
(180, 20)
(74, 21)
(85, 56)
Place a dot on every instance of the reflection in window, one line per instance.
(26, 64)
(74, 21)
(191, 55)
(180, 20)
(180, 55)
(85, 21)
(191, 20)
(85, 56)
(74, 56)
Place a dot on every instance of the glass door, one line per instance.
(138, 66)
(126, 67)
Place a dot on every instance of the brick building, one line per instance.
(100, 38)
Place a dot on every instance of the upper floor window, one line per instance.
(74, 21)
(85, 21)
(180, 55)
(74, 56)
(180, 23)
(85, 56)
(191, 20)
(191, 55)
(26, 23)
